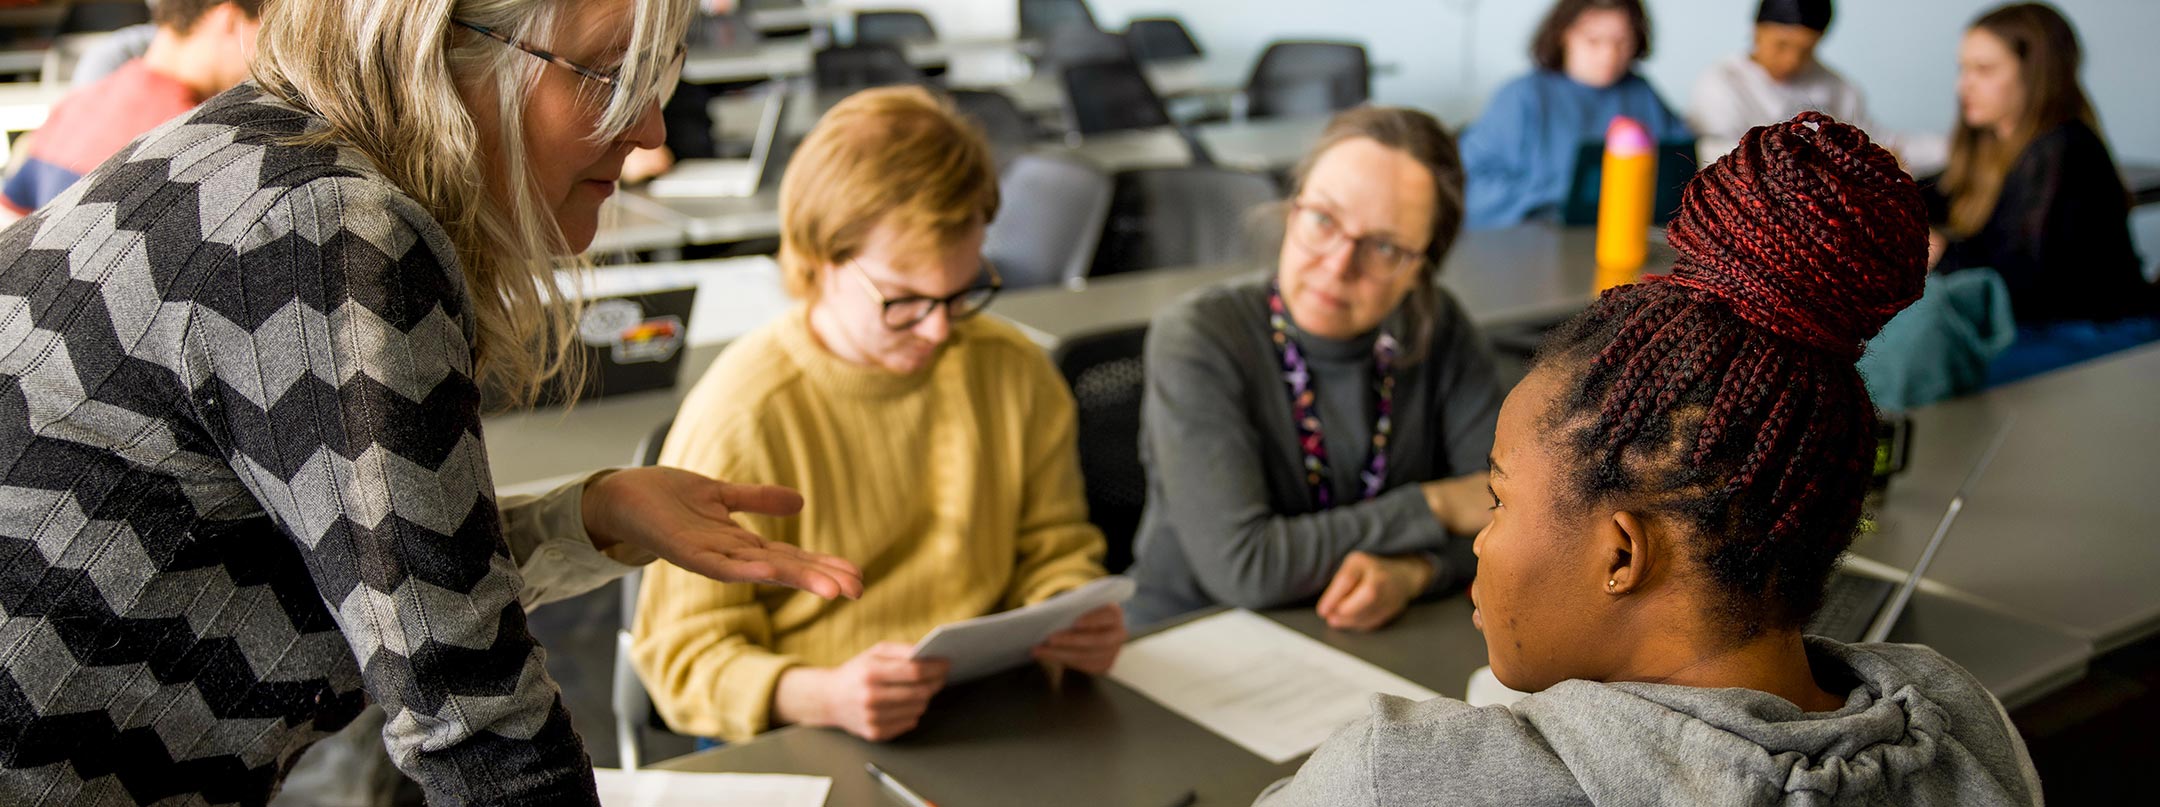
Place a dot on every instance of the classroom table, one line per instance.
(631, 224)
(1524, 274)
(2143, 179)
(2061, 527)
(17, 61)
(784, 58)
(1012, 739)
(23, 107)
(1258, 144)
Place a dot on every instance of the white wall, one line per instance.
(1448, 55)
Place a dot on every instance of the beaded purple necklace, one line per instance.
(1305, 410)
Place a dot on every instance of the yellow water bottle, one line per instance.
(1624, 199)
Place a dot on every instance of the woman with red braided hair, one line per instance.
(1672, 485)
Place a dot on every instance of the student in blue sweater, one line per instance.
(1520, 154)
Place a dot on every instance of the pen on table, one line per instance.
(893, 786)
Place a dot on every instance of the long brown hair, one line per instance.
(2048, 57)
(1424, 140)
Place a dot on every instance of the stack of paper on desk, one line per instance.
(1275, 691)
(650, 788)
(988, 644)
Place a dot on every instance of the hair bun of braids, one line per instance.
(1807, 230)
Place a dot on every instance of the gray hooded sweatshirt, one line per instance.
(1915, 730)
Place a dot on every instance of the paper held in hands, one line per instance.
(987, 644)
(1274, 691)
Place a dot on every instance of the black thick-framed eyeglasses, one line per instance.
(611, 79)
(902, 313)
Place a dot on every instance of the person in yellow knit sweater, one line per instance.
(933, 448)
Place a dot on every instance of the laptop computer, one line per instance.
(1860, 608)
(733, 178)
(1675, 166)
(632, 343)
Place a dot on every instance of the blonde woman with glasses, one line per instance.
(1318, 433)
(246, 491)
(933, 447)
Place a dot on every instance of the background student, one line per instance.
(1779, 77)
(201, 48)
(1672, 485)
(1321, 430)
(935, 448)
(1520, 152)
(2033, 193)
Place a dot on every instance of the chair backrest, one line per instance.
(1049, 220)
(893, 28)
(855, 67)
(632, 704)
(1108, 375)
(1309, 79)
(1155, 39)
(1072, 45)
(1172, 217)
(1038, 18)
(94, 16)
(1009, 130)
(1111, 97)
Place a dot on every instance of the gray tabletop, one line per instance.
(1012, 739)
(2061, 526)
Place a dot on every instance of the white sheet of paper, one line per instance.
(650, 788)
(1274, 691)
(987, 644)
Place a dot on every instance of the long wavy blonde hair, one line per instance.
(386, 75)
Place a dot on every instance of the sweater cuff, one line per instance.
(745, 694)
(555, 554)
(1409, 522)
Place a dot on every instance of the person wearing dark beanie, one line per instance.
(1780, 77)
(1673, 484)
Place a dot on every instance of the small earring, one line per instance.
(1610, 583)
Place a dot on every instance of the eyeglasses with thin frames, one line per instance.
(1317, 230)
(902, 313)
(611, 79)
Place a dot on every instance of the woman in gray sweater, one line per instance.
(1671, 487)
(1321, 430)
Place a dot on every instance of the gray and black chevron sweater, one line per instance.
(245, 491)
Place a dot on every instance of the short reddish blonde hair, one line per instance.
(893, 154)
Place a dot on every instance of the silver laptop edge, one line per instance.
(1879, 630)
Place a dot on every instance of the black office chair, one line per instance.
(1038, 18)
(1110, 97)
(893, 28)
(849, 68)
(1052, 215)
(1108, 375)
(1308, 79)
(1009, 130)
(99, 16)
(1176, 217)
(1073, 45)
(1159, 39)
(633, 705)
